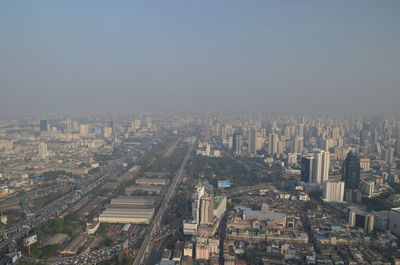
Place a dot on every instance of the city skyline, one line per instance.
(210, 132)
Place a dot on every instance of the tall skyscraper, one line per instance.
(397, 148)
(273, 144)
(252, 142)
(307, 164)
(298, 145)
(200, 191)
(69, 125)
(43, 125)
(300, 130)
(388, 155)
(321, 167)
(237, 144)
(84, 129)
(333, 191)
(351, 171)
(43, 150)
(230, 142)
(107, 132)
(149, 124)
(136, 124)
(207, 209)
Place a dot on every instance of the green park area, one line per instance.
(211, 169)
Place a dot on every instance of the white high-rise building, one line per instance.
(208, 149)
(149, 124)
(333, 191)
(43, 150)
(298, 145)
(300, 130)
(321, 167)
(207, 209)
(84, 129)
(230, 142)
(136, 124)
(196, 203)
(107, 132)
(259, 142)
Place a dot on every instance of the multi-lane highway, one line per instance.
(59, 205)
(144, 250)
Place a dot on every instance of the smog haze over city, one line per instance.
(199, 132)
(189, 56)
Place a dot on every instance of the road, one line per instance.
(143, 252)
(55, 208)
(82, 259)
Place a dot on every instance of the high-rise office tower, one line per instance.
(273, 144)
(300, 130)
(388, 155)
(84, 129)
(75, 126)
(298, 145)
(259, 142)
(336, 133)
(223, 134)
(252, 142)
(359, 218)
(321, 167)
(107, 132)
(43, 125)
(333, 191)
(351, 171)
(237, 144)
(397, 148)
(149, 124)
(281, 148)
(43, 150)
(287, 132)
(136, 124)
(207, 209)
(307, 164)
(230, 142)
(69, 125)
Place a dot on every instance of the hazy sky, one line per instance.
(252, 56)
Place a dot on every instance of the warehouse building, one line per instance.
(129, 210)
(152, 181)
(126, 215)
(135, 200)
(148, 188)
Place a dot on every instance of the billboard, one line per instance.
(30, 240)
(224, 183)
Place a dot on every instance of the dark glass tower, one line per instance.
(351, 171)
(43, 125)
(306, 168)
